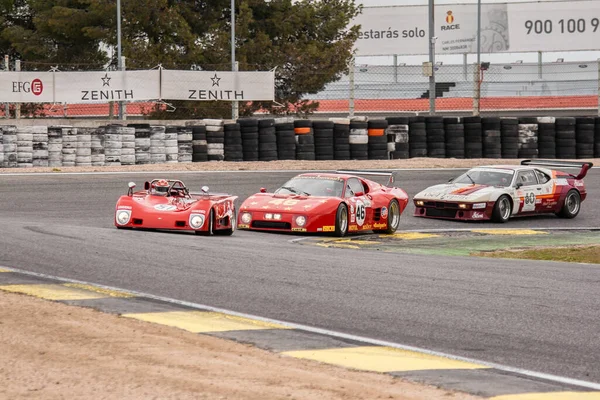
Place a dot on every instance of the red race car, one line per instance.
(500, 192)
(168, 204)
(339, 203)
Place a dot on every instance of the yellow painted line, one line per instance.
(4, 270)
(551, 396)
(202, 322)
(382, 359)
(356, 242)
(53, 292)
(339, 246)
(509, 232)
(411, 235)
(107, 292)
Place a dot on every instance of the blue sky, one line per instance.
(458, 59)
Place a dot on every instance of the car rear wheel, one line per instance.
(393, 219)
(229, 232)
(341, 220)
(502, 209)
(210, 230)
(571, 206)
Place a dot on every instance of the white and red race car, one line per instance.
(499, 192)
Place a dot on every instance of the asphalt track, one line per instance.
(540, 316)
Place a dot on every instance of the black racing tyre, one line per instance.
(210, 231)
(229, 232)
(571, 206)
(341, 220)
(393, 218)
(502, 209)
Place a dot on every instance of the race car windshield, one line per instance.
(485, 177)
(313, 187)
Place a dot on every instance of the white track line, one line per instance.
(533, 374)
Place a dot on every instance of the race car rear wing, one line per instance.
(389, 174)
(585, 166)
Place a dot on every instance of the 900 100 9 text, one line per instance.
(571, 25)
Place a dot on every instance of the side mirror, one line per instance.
(204, 189)
(146, 185)
(263, 190)
(519, 185)
(358, 194)
(131, 185)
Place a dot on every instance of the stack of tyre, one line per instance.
(378, 141)
(112, 146)
(286, 140)
(55, 146)
(509, 128)
(157, 144)
(142, 143)
(584, 135)
(39, 155)
(127, 145)
(455, 137)
(97, 147)
(397, 134)
(249, 128)
(83, 157)
(566, 142)
(417, 137)
(341, 138)
(305, 140)
(324, 145)
(436, 137)
(358, 140)
(215, 139)
(233, 142)
(473, 137)
(597, 137)
(199, 143)
(171, 145)
(24, 147)
(491, 131)
(267, 140)
(9, 139)
(546, 137)
(528, 138)
(184, 144)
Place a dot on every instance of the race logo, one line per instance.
(165, 207)
(449, 17)
(449, 21)
(106, 94)
(384, 212)
(477, 215)
(216, 93)
(360, 213)
(36, 87)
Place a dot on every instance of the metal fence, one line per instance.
(500, 89)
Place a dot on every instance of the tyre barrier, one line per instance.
(252, 139)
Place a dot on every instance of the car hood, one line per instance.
(290, 203)
(458, 192)
(164, 204)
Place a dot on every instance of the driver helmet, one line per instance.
(161, 187)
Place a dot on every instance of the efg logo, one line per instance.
(450, 22)
(35, 86)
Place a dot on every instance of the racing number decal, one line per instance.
(528, 202)
(289, 202)
(360, 213)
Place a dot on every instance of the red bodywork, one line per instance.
(174, 212)
(320, 211)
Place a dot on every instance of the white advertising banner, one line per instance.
(26, 87)
(219, 85)
(103, 86)
(505, 27)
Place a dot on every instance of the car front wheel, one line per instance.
(502, 209)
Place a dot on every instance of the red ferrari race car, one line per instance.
(499, 192)
(168, 204)
(338, 203)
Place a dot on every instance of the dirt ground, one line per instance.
(52, 351)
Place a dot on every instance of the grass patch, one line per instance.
(579, 254)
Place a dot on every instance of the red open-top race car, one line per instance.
(168, 204)
(338, 203)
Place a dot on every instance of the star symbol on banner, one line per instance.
(105, 80)
(215, 80)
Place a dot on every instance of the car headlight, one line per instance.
(420, 203)
(478, 206)
(300, 221)
(463, 206)
(196, 221)
(268, 216)
(123, 217)
(246, 217)
(277, 217)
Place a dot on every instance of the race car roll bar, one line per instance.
(585, 166)
(389, 174)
